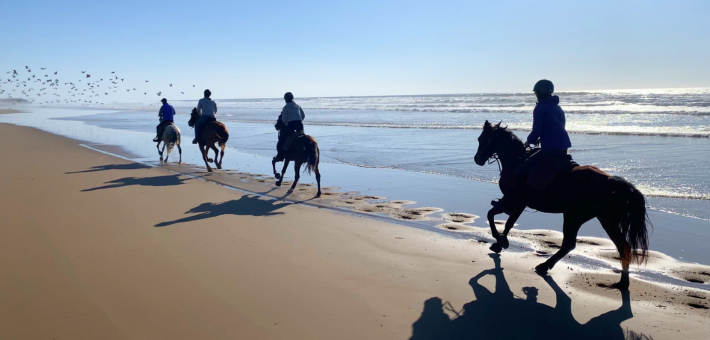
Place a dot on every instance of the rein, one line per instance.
(494, 158)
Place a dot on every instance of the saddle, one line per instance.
(290, 139)
(542, 175)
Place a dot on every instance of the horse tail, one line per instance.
(222, 134)
(173, 134)
(633, 217)
(313, 156)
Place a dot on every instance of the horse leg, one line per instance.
(495, 247)
(611, 227)
(221, 155)
(570, 229)
(509, 224)
(157, 146)
(317, 180)
(167, 155)
(297, 169)
(283, 171)
(203, 149)
(180, 152)
(216, 156)
(273, 165)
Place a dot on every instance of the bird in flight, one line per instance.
(112, 72)
(83, 71)
(171, 85)
(146, 81)
(55, 72)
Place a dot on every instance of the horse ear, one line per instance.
(487, 125)
(498, 125)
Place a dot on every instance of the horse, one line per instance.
(304, 149)
(212, 133)
(580, 195)
(171, 139)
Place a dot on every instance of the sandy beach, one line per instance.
(95, 247)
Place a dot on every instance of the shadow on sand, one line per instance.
(157, 181)
(500, 315)
(246, 205)
(130, 166)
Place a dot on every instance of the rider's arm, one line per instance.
(215, 106)
(537, 126)
(303, 115)
(160, 113)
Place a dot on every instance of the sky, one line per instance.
(261, 49)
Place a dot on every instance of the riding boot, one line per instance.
(194, 140)
(157, 138)
(279, 157)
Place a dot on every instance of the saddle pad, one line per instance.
(546, 171)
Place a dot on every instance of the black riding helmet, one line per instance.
(544, 86)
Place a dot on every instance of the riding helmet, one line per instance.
(544, 86)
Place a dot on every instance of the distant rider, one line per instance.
(207, 109)
(292, 117)
(165, 115)
(549, 131)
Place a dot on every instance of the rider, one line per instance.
(548, 130)
(165, 116)
(292, 116)
(207, 109)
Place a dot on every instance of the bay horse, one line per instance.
(580, 195)
(171, 138)
(304, 149)
(212, 133)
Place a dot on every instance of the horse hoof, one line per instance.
(542, 269)
(318, 195)
(278, 183)
(278, 176)
(290, 191)
(210, 170)
(495, 247)
(210, 160)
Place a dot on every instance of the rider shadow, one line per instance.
(246, 205)
(500, 315)
(129, 166)
(157, 181)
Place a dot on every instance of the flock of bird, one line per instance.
(44, 87)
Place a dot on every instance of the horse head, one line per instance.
(194, 115)
(486, 143)
(497, 140)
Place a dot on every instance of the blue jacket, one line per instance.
(166, 112)
(549, 125)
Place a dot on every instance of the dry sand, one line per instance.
(6, 111)
(96, 247)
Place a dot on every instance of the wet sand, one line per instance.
(95, 246)
(6, 111)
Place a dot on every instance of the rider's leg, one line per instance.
(198, 129)
(279, 146)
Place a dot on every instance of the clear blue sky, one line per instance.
(248, 49)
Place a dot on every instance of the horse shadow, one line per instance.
(501, 315)
(246, 205)
(157, 181)
(129, 166)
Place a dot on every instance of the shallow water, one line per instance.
(251, 146)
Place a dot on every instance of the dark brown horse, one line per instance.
(580, 195)
(304, 149)
(212, 133)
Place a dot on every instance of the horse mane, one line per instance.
(513, 141)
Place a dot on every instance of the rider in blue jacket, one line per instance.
(548, 130)
(166, 116)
